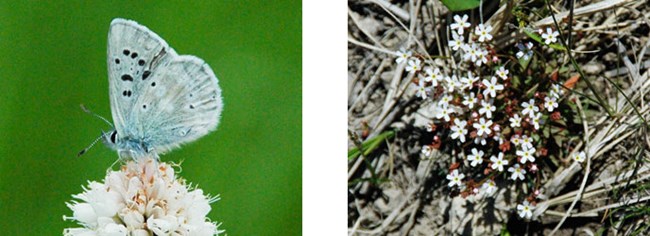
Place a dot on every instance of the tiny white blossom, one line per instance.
(491, 87)
(422, 90)
(579, 157)
(469, 100)
(482, 139)
(452, 83)
(503, 73)
(550, 36)
(525, 51)
(489, 187)
(458, 130)
(556, 91)
(529, 108)
(517, 172)
(457, 41)
(526, 155)
(526, 142)
(481, 56)
(433, 76)
(455, 178)
(525, 210)
(486, 108)
(516, 140)
(483, 32)
(413, 65)
(445, 99)
(550, 103)
(476, 157)
(461, 24)
(498, 163)
(515, 121)
(536, 119)
(426, 150)
(483, 127)
(471, 52)
(402, 56)
(443, 112)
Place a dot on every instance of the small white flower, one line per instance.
(469, 100)
(482, 139)
(483, 32)
(503, 73)
(143, 198)
(579, 157)
(452, 83)
(489, 187)
(476, 157)
(525, 52)
(486, 108)
(455, 178)
(550, 36)
(536, 119)
(526, 155)
(516, 140)
(461, 24)
(458, 130)
(402, 56)
(498, 163)
(445, 99)
(433, 76)
(526, 142)
(550, 103)
(526, 210)
(471, 52)
(457, 43)
(443, 112)
(426, 150)
(515, 121)
(517, 172)
(413, 65)
(483, 127)
(481, 56)
(491, 87)
(422, 90)
(529, 108)
(556, 91)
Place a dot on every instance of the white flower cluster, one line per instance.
(143, 198)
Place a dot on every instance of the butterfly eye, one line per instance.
(113, 136)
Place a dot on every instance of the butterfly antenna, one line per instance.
(95, 115)
(92, 144)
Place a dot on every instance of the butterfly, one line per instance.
(159, 99)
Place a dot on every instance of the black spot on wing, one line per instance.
(127, 77)
(146, 74)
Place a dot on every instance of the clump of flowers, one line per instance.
(492, 108)
(143, 198)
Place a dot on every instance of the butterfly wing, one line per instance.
(158, 98)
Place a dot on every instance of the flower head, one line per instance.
(529, 108)
(457, 41)
(502, 72)
(550, 103)
(455, 178)
(469, 100)
(486, 108)
(498, 162)
(413, 65)
(143, 198)
(483, 32)
(422, 90)
(491, 87)
(489, 187)
(515, 121)
(402, 56)
(579, 156)
(550, 36)
(525, 50)
(483, 127)
(458, 130)
(460, 24)
(476, 157)
(525, 210)
(526, 155)
(517, 172)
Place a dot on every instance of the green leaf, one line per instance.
(461, 5)
(533, 35)
(370, 145)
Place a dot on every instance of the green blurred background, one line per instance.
(54, 58)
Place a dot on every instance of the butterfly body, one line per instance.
(159, 99)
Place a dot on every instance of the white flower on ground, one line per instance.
(426, 150)
(550, 103)
(491, 87)
(579, 157)
(422, 90)
(471, 52)
(556, 91)
(517, 172)
(481, 56)
(486, 108)
(483, 127)
(526, 142)
(457, 41)
(443, 112)
(498, 162)
(525, 210)
(143, 198)
(483, 32)
(489, 187)
(476, 157)
(536, 119)
(482, 139)
(529, 108)
(550, 36)
(525, 51)
(526, 155)
(469, 100)
(503, 73)
(445, 99)
(515, 121)
(458, 130)
(461, 24)
(402, 56)
(413, 65)
(433, 76)
(516, 140)
(452, 83)
(455, 178)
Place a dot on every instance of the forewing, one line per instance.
(134, 53)
(180, 103)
